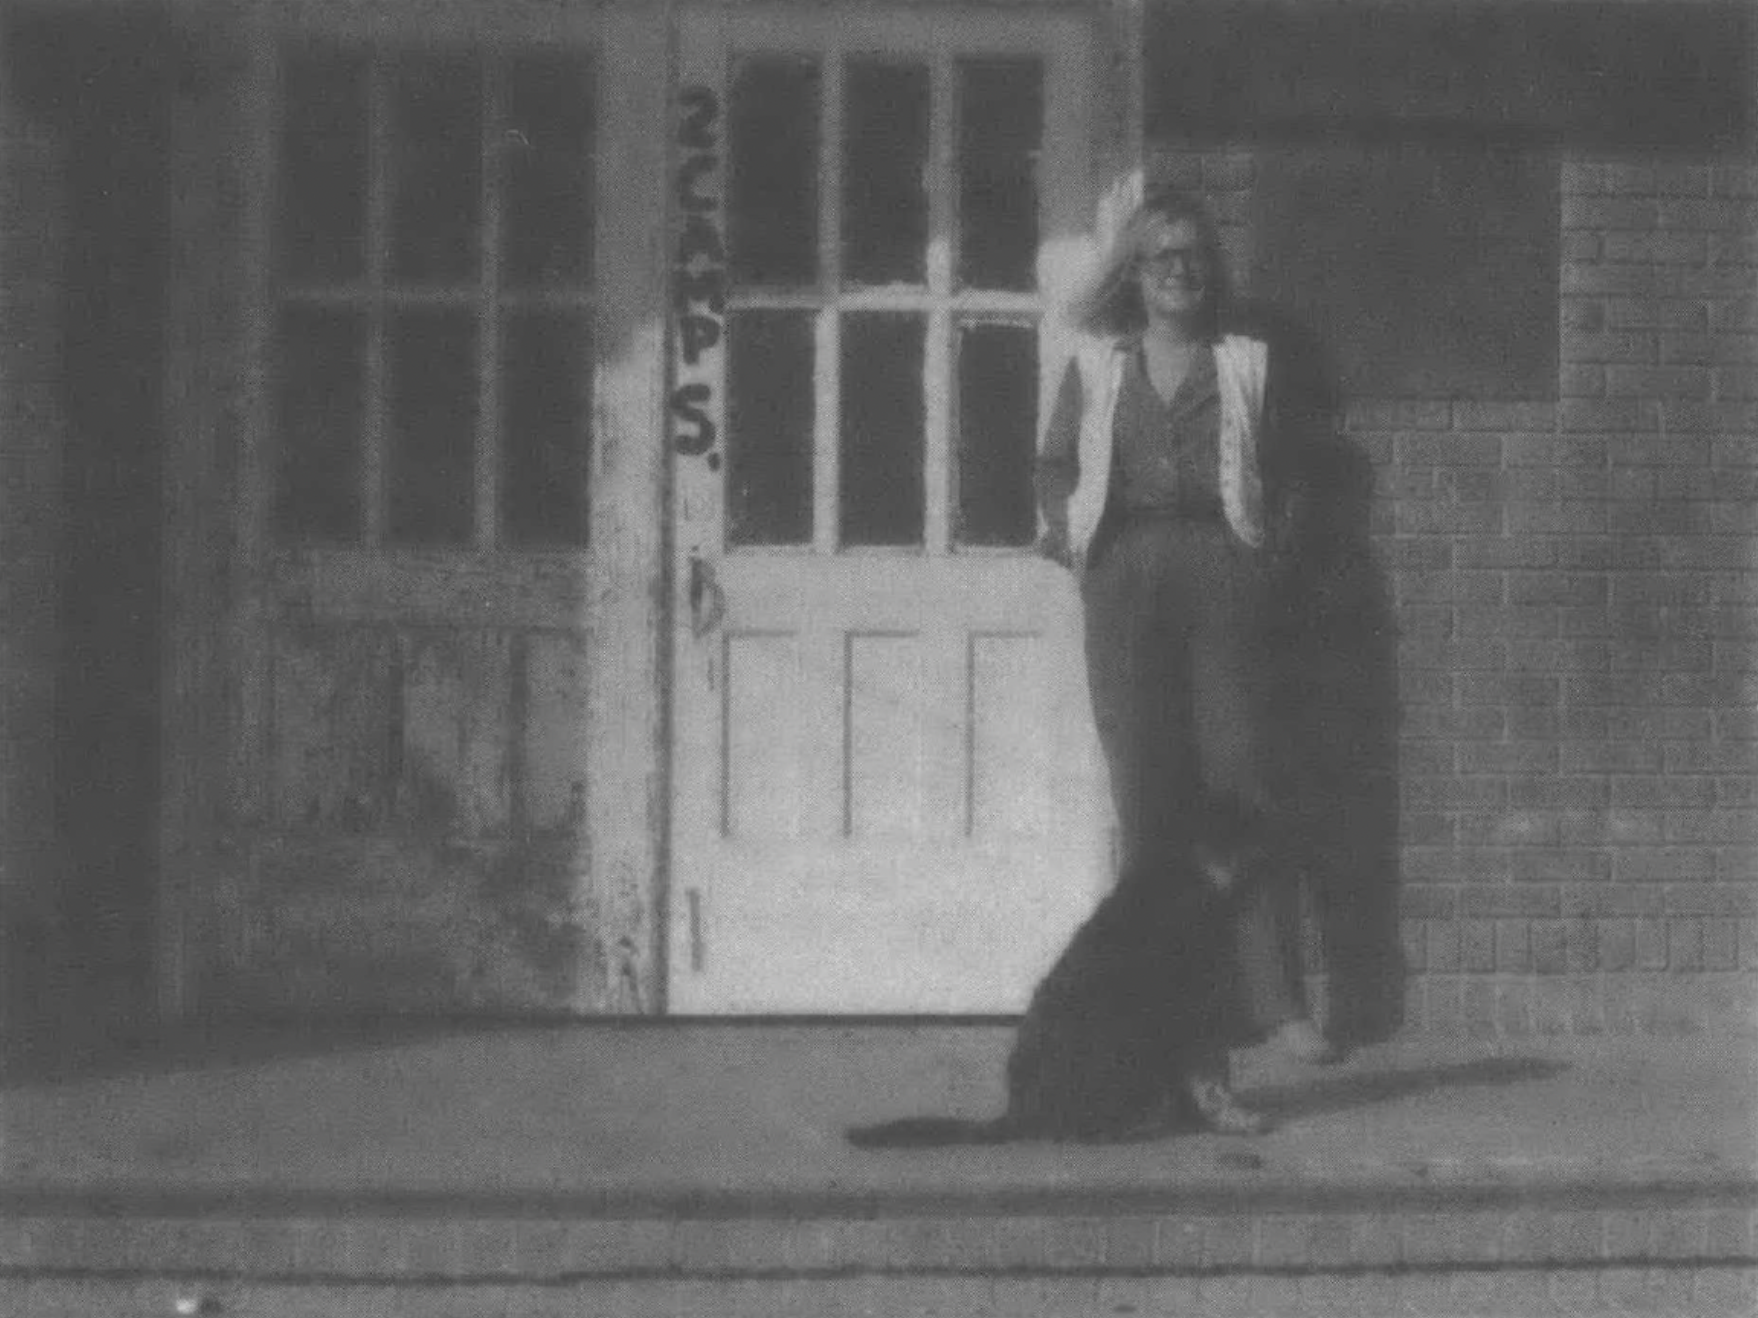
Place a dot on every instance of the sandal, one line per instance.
(1221, 1112)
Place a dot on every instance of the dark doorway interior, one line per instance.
(101, 81)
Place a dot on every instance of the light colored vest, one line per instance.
(1241, 364)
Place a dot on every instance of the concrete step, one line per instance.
(1513, 1293)
(1515, 1250)
(1052, 1233)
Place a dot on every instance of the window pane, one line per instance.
(772, 220)
(1000, 131)
(769, 428)
(546, 387)
(436, 154)
(997, 434)
(884, 194)
(547, 149)
(322, 355)
(323, 167)
(882, 429)
(431, 471)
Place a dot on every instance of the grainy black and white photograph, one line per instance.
(878, 658)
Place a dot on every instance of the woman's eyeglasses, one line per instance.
(1171, 260)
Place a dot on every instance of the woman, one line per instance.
(1160, 485)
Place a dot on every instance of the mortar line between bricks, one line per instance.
(1024, 1272)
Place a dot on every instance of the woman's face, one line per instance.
(1172, 269)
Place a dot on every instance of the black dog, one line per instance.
(1103, 1048)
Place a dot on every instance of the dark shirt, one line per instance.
(1167, 455)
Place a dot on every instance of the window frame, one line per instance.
(891, 38)
(489, 297)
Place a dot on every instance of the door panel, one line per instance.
(457, 630)
(887, 794)
(908, 818)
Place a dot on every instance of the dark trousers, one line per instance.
(1178, 670)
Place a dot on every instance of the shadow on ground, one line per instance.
(99, 1055)
(1341, 1092)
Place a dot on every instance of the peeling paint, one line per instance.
(402, 751)
(409, 924)
(430, 848)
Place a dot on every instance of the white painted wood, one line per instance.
(887, 796)
(539, 668)
(827, 453)
(489, 440)
(938, 363)
(555, 729)
(378, 252)
(535, 589)
(488, 734)
(1010, 757)
(618, 878)
(255, 606)
(762, 783)
(885, 721)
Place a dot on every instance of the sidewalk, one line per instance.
(660, 1118)
(699, 1171)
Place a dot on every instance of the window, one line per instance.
(883, 227)
(1429, 268)
(1402, 201)
(433, 276)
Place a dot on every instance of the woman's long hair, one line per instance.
(1111, 304)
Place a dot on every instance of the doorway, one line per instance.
(103, 82)
(885, 798)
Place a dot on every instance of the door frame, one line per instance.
(219, 759)
(706, 37)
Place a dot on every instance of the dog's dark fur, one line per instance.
(1105, 1043)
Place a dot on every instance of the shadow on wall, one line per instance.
(1336, 693)
(88, 91)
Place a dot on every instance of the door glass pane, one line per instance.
(323, 167)
(769, 428)
(546, 147)
(882, 429)
(997, 434)
(772, 212)
(546, 392)
(431, 472)
(436, 154)
(1000, 133)
(884, 188)
(322, 355)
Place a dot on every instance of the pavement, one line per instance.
(669, 1116)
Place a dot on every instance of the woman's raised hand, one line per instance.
(1115, 207)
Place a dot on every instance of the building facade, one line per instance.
(525, 508)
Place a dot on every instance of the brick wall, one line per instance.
(1575, 597)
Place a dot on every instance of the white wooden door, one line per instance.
(887, 797)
